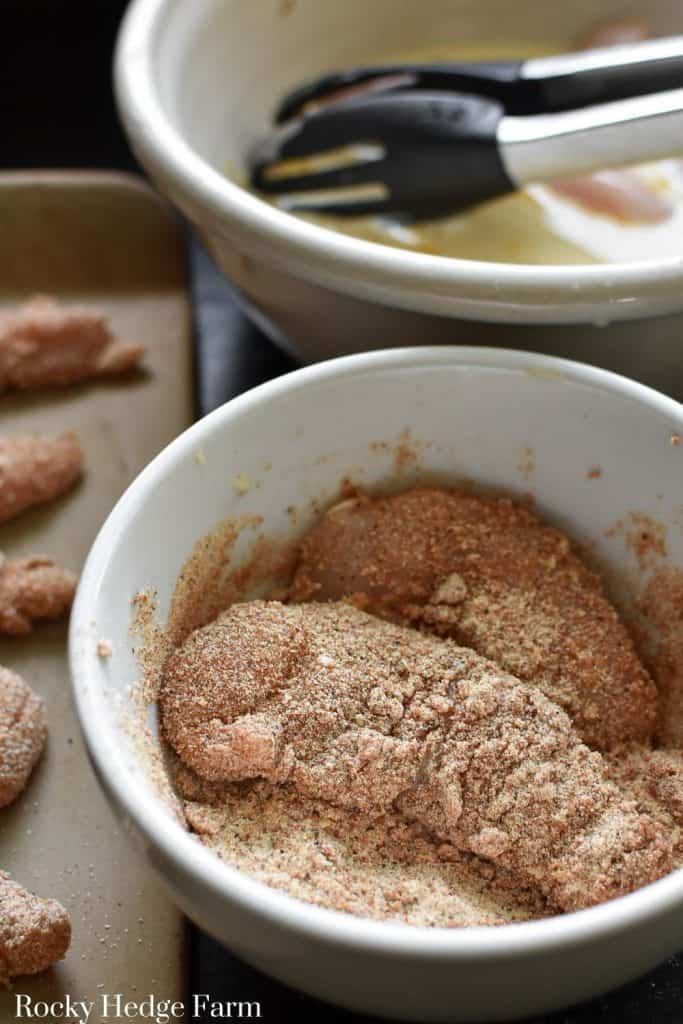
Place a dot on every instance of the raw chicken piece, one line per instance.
(35, 470)
(369, 715)
(616, 32)
(44, 345)
(489, 574)
(30, 589)
(23, 732)
(620, 194)
(34, 933)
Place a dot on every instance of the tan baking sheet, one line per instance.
(104, 239)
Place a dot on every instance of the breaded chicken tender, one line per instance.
(373, 716)
(35, 470)
(492, 576)
(44, 344)
(32, 589)
(653, 778)
(23, 731)
(34, 933)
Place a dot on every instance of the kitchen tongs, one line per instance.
(424, 151)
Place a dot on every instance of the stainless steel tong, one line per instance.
(429, 139)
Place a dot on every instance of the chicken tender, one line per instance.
(372, 716)
(492, 576)
(34, 933)
(654, 779)
(616, 32)
(23, 732)
(35, 470)
(44, 344)
(33, 589)
(619, 193)
(622, 194)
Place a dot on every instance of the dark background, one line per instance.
(57, 110)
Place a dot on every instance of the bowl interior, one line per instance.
(589, 447)
(221, 67)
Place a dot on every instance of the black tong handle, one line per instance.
(535, 86)
(499, 80)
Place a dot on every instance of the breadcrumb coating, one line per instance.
(661, 605)
(380, 866)
(23, 732)
(489, 574)
(44, 344)
(34, 933)
(32, 589)
(654, 779)
(372, 716)
(35, 470)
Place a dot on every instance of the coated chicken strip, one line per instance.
(369, 715)
(35, 470)
(44, 345)
(34, 933)
(30, 589)
(23, 732)
(490, 575)
(653, 778)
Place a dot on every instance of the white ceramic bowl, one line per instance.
(196, 81)
(471, 413)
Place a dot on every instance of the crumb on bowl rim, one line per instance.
(225, 882)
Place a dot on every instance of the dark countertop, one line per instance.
(56, 110)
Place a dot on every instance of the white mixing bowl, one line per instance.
(471, 414)
(196, 81)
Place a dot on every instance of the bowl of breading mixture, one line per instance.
(381, 664)
(571, 270)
